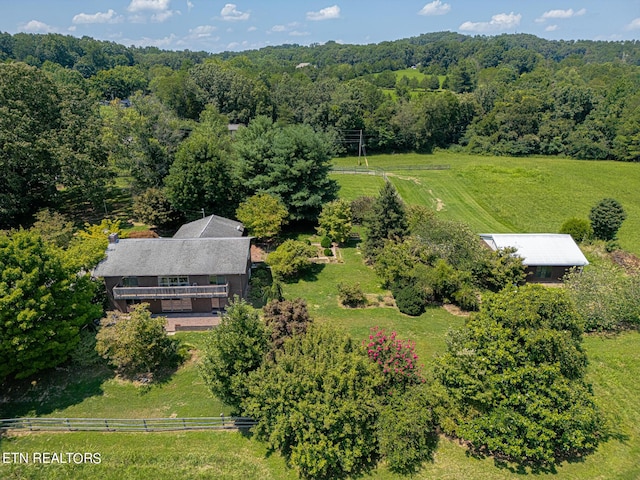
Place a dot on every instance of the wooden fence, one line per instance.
(383, 173)
(35, 424)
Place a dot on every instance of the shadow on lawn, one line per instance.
(51, 390)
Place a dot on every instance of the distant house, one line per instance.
(546, 256)
(212, 226)
(176, 274)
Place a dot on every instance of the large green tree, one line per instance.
(44, 302)
(202, 175)
(513, 379)
(30, 118)
(136, 343)
(316, 404)
(291, 162)
(263, 215)
(232, 350)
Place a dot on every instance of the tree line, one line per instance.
(65, 131)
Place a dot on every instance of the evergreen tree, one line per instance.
(388, 220)
(606, 218)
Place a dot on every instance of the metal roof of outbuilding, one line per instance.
(551, 249)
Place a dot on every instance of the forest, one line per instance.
(108, 111)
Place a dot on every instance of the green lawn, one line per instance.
(506, 194)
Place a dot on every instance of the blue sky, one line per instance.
(217, 26)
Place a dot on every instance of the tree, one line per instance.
(335, 221)
(153, 208)
(136, 343)
(290, 259)
(232, 350)
(606, 218)
(202, 175)
(579, 229)
(388, 220)
(29, 122)
(290, 162)
(44, 302)
(119, 82)
(263, 215)
(315, 404)
(54, 227)
(514, 379)
(286, 319)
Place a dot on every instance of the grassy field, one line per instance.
(492, 194)
(505, 194)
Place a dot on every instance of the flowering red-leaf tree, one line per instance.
(396, 358)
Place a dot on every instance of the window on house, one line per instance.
(217, 280)
(543, 271)
(129, 281)
(173, 281)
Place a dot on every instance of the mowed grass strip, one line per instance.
(143, 456)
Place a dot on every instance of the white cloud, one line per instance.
(190, 5)
(278, 28)
(36, 26)
(634, 25)
(230, 13)
(163, 16)
(109, 16)
(499, 22)
(328, 13)
(165, 42)
(296, 33)
(551, 28)
(153, 5)
(252, 29)
(202, 31)
(556, 14)
(435, 8)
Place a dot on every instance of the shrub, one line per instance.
(467, 298)
(361, 209)
(606, 298)
(396, 359)
(328, 252)
(325, 242)
(351, 295)
(606, 218)
(409, 299)
(579, 229)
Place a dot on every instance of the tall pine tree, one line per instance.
(388, 220)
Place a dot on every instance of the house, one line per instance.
(546, 256)
(212, 226)
(176, 274)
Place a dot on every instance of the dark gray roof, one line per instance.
(550, 249)
(212, 226)
(171, 256)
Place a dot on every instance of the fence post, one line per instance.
(222, 417)
(68, 424)
(184, 424)
(144, 422)
(106, 424)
